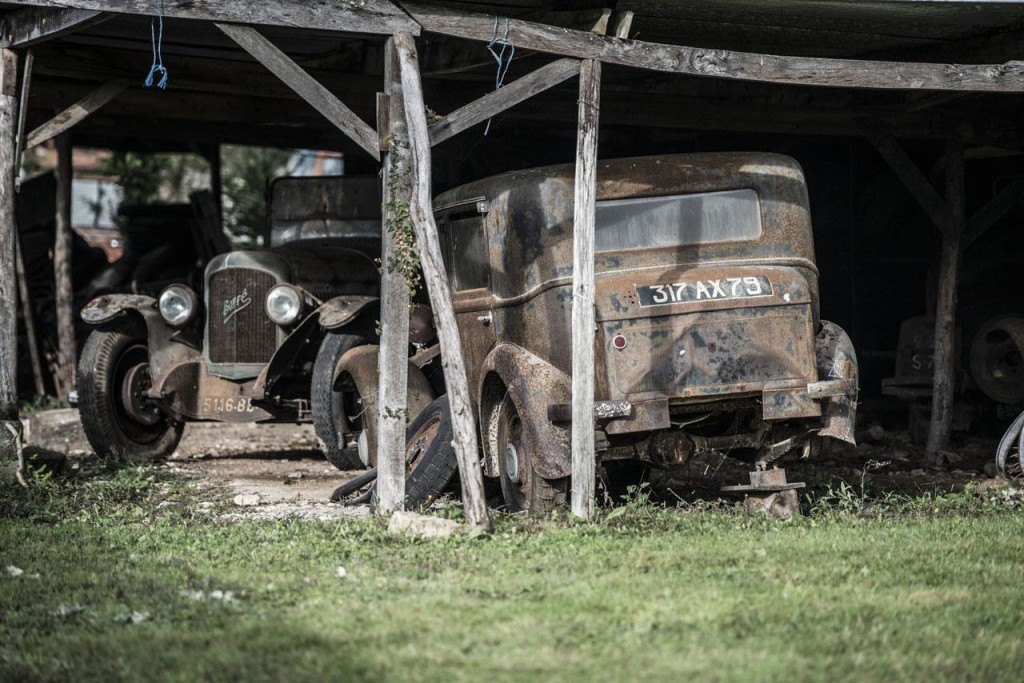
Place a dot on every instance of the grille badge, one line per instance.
(236, 305)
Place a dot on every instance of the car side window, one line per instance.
(469, 253)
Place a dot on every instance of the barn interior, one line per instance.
(877, 242)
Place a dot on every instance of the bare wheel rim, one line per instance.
(419, 444)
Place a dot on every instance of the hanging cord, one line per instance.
(156, 33)
(499, 56)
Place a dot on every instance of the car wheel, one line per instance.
(430, 461)
(113, 377)
(331, 420)
(522, 488)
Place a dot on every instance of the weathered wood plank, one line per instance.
(583, 315)
(747, 66)
(623, 22)
(914, 180)
(945, 314)
(394, 302)
(67, 349)
(76, 113)
(28, 317)
(8, 297)
(26, 89)
(491, 104)
(33, 25)
(355, 16)
(463, 420)
(988, 215)
(308, 88)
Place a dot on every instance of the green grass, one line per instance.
(920, 590)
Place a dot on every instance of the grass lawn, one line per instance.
(118, 587)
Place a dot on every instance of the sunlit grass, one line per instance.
(116, 588)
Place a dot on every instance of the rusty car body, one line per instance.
(708, 332)
(271, 337)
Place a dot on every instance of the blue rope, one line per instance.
(499, 56)
(158, 56)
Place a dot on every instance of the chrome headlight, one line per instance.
(284, 304)
(178, 304)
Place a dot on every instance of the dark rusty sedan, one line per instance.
(708, 339)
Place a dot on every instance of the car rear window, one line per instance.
(677, 220)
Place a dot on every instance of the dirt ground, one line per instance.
(276, 471)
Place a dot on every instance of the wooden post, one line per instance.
(945, 313)
(394, 294)
(421, 209)
(64, 299)
(583, 454)
(29, 318)
(8, 296)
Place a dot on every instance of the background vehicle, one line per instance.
(262, 341)
(708, 334)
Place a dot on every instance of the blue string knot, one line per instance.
(156, 33)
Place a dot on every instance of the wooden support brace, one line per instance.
(305, 86)
(914, 180)
(34, 25)
(394, 294)
(64, 300)
(583, 314)
(730, 64)
(988, 215)
(504, 98)
(945, 314)
(463, 420)
(76, 113)
(8, 296)
(364, 16)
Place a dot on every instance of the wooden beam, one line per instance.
(945, 314)
(76, 113)
(364, 16)
(26, 89)
(498, 101)
(914, 180)
(583, 316)
(38, 24)
(64, 300)
(746, 66)
(463, 420)
(623, 23)
(8, 239)
(308, 88)
(394, 298)
(988, 215)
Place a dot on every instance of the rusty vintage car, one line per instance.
(277, 335)
(708, 331)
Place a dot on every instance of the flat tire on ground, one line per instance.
(119, 421)
(430, 462)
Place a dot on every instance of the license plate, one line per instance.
(704, 290)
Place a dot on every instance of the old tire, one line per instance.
(331, 412)
(997, 359)
(430, 461)
(523, 489)
(113, 375)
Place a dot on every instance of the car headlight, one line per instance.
(284, 304)
(178, 304)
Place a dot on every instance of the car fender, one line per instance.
(341, 310)
(534, 384)
(168, 346)
(362, 363)
(836, 359)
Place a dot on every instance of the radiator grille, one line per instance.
(239, 329)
